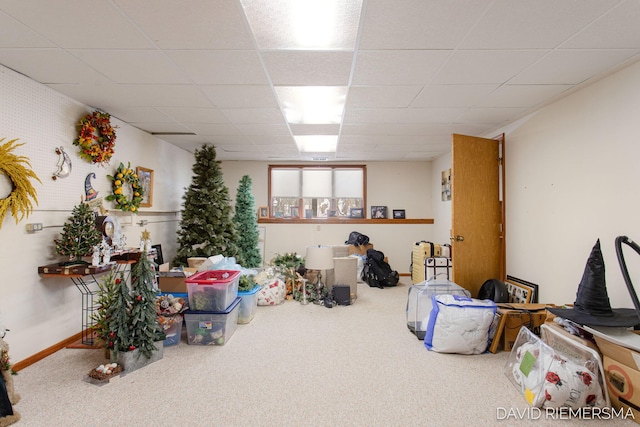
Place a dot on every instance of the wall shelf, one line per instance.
(344, 221)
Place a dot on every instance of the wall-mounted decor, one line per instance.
(19, 200)
(263, 212)
(89, 192)
(446, 185)
(64, 164)
(96, 138)
(126, 199)
(378, 212)
(356, 213)
(145, 176)
(398, 214)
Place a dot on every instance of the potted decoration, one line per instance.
(135, 336)
(79, 234)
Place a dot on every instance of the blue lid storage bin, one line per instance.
(212, 327)
(248, 305)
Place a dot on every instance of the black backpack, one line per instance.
(357, 239)
(378, 273)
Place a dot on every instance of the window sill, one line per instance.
(343, 221)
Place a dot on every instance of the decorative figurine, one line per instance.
(95, 258)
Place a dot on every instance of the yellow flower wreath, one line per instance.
(20, 199)
(125, 175)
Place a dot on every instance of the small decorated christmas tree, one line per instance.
(79, 234)
(119, 337)
(108, 290)
(246, 222)
(206, 227)
(144, 327)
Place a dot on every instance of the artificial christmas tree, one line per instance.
(246, 222)
(79, 234)
(206, 227)
(144, 326)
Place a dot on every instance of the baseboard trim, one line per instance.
(46, 352)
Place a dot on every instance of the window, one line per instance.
(316, 191)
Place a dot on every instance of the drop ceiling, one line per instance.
(193, 72)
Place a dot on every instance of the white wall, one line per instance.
(39, 311)
(397, 185)
(572, 177)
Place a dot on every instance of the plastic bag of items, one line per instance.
(459, 324)
(569, 374)
(273, 289)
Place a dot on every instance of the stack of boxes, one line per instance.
(212, 317)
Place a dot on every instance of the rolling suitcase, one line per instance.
(429, 259)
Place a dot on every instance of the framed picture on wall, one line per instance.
(145, 176)
(378, 212)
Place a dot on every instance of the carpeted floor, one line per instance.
(293, 365)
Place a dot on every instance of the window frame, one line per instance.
(302, 217)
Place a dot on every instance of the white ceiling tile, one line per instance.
(563, 67)
(264, 129)
(15, 34)
(241, 96)
(254, 115)
(137, 114)
(163, 127)
(77, 24)
(616, 29)
(402, 115)
(521, 95)
(485, 66)
(306, 68)
(397, 67)
(418, 24)
(195, 115)
(490, 116)
(61, 67)
(539, 24)
(452, 95)
(207, 129)
(272, 139)
(220, 66)
(143, 66)
(227, 139)
(381, 96)
(190, 24)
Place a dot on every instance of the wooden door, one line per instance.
(477, 233)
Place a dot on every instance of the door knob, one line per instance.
(456, 238)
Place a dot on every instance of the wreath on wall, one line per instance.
(96, 137)
(125, 176)
(19, 201)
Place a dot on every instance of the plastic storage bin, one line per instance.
(212, 327)
(212, 290)
(419, 301)
(173, 330)
(248, 305)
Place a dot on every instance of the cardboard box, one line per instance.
(622, 381)
(345, 272)
(629, 411)
(173, 281)
(619, 353)
(517, 316)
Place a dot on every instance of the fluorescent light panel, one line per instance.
(317, 143)
(304, 24)
(312, 104)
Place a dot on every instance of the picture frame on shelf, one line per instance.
(295, 211)
(378, 212)
(145, 177)
(398, 214)
(332, 213)
(356, 213)
(263, 212)
(308, 213)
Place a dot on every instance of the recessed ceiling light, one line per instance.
(317, 143)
